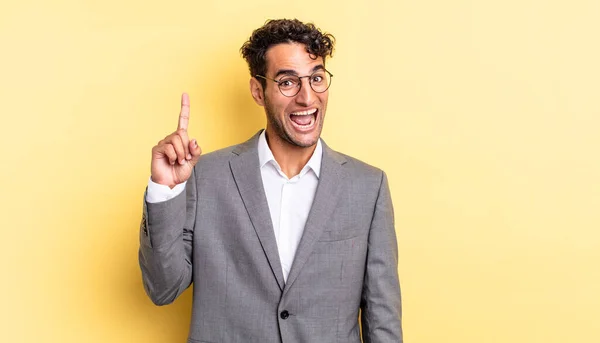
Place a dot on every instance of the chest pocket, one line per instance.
(342, 234)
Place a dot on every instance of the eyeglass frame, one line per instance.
(278, 82)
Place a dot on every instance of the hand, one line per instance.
(174, 157)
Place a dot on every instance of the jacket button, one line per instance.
(284, 315)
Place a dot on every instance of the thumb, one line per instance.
(195, 151)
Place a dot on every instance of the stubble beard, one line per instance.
(280, 131)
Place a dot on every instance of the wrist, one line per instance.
(158, 182)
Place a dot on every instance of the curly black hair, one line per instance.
(273, 32)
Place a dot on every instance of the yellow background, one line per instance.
(484, 114)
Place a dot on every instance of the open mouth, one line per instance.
(304, 120)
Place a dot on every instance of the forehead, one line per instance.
(290, 56)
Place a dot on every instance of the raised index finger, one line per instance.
(184, 115)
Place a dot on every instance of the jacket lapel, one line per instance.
(246, 173)
(330, 184)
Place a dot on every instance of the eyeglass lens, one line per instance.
(290, 85)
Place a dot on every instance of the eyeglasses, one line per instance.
(290, 85)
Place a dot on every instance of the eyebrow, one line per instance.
(293, 72)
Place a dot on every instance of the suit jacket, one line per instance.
(218, 234)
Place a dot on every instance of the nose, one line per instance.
(306, 96)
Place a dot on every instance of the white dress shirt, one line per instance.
(289, 200)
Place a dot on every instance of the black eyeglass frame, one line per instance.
(278, 82)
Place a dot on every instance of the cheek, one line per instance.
(324, 97)
(277, 106)
(281, 106)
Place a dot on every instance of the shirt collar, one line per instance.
(265, 155)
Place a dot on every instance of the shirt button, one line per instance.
(284, 315)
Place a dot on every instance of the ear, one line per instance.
(256, 90)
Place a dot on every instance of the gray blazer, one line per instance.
(218, 234)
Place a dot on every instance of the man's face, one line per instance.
(296, 120)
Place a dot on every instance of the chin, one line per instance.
(304, 142)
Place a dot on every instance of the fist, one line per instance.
(174, 157)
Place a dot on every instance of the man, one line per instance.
(284, 239)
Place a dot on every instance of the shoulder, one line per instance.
(214, 161)
(358, 170)
(219, 155)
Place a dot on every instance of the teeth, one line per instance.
(305, 113)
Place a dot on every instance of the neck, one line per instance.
(291, 158)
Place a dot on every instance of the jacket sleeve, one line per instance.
(166, 235)
(381, 301)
